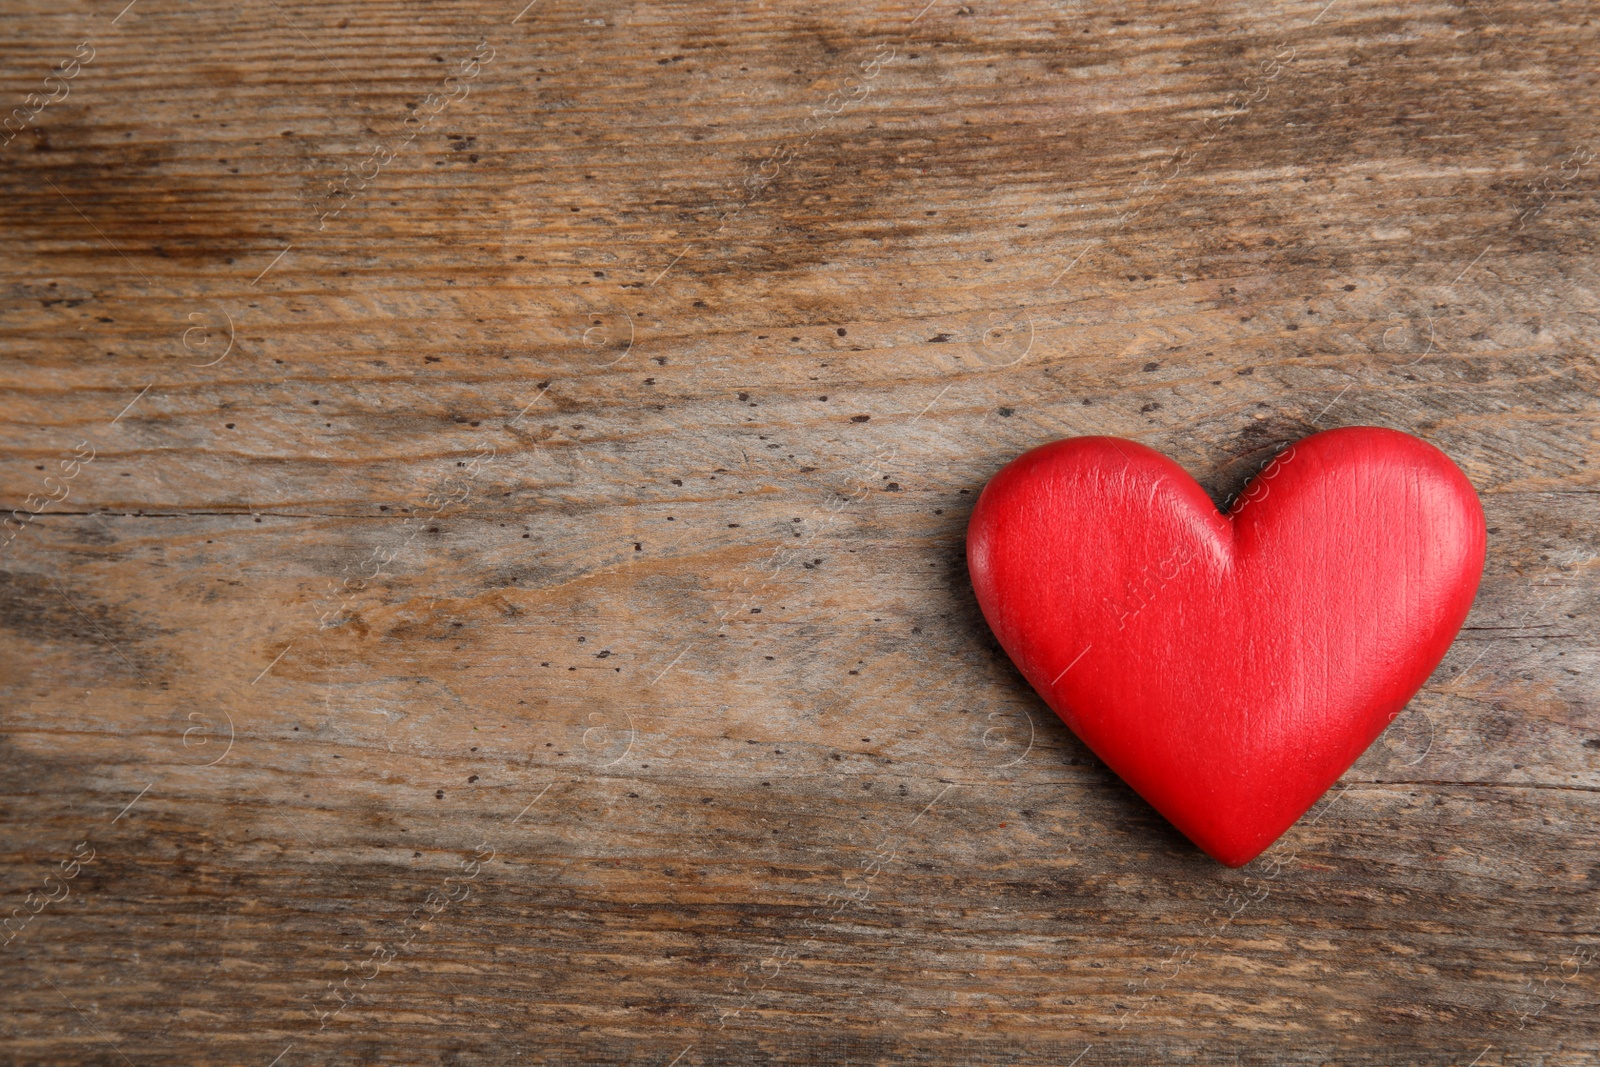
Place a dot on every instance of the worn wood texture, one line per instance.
(515, 610)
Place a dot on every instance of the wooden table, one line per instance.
(497, 589)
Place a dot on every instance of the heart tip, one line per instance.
(1234, 859)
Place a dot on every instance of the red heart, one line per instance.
(1228, 667)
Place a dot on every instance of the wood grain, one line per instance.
(515, 609)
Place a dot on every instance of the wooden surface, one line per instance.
(515, 609)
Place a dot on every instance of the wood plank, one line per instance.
(575, 512)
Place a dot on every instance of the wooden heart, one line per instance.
(1228, 667)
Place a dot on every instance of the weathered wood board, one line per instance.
(497, 590)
